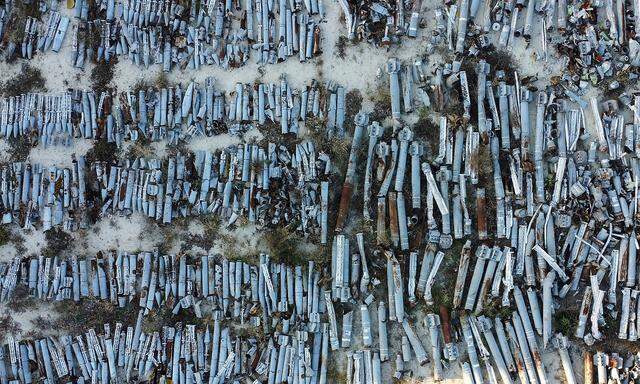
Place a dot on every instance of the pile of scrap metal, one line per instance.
(564, 204)
(174, 113)
(469, 26)
(191, 34)
(270, 186)
(382, 22)
(25, 34)
(175, 33)
(594, 40)
(385, 170)
(492, 348)
(285, 302)
(50, 196)
(567, 209)
(611, 367)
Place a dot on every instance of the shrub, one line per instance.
(564, 322)
(341, 46)
(19, 148)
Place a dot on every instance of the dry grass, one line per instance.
(337, 148)
(341, 46)
(381, 98)
(103, 151)
(353, 105)
(211, 225)
(20, 300)
(141, 148)
(283, 245)
(427, 130)
(29, 79)
(234, 250)
(157, 319)
(8, 326)
(93, 313)
(19, 147)
(5, 236)
(161, 81)
(101, 76)
(17, 18)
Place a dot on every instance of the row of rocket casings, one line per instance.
(178, 354)
(188, 354)
(170, 35)
(175, 113)
(120, 278)
(234, 289)
(153, 281)
(183, 354)
(510, 348)
(272, 185)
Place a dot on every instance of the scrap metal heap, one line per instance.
(204, 33)
(595, 42)
(530, 199)
(289, 305)
(382, 22)
(553, 179)
(408, 86)
(555, 183)
(174, 34)
(174, 113)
